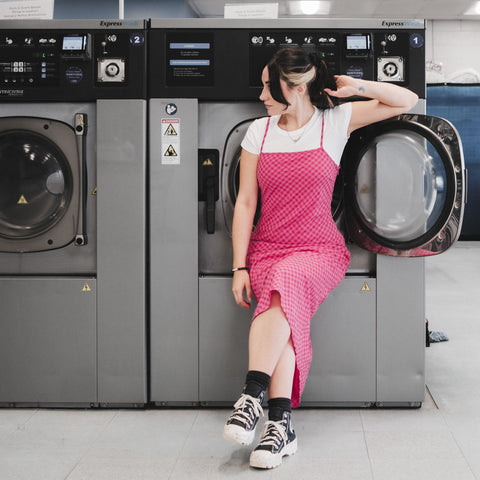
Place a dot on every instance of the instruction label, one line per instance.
(170, 141)
(26, 9)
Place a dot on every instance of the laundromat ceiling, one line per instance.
(391, 9)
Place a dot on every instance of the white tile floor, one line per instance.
(439, 441)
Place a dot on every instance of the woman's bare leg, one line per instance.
(281, 382)
(269, 335)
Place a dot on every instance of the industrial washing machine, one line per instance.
(72, 213)
(399, 194)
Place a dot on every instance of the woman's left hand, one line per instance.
(241, 283)
(346, 87)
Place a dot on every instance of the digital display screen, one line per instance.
(357, 42)
(190, 59)
(76, 44)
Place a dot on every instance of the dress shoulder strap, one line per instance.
(265, 134)
(323, 128)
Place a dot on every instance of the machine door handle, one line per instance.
(208, 188)
(81, 136)
(209, 182)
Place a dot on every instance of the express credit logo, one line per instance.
(120, 23)
(402, 24)
(385, 23)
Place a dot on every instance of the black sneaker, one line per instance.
(240, 427)
(278, 439)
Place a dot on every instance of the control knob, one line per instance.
(112, 69)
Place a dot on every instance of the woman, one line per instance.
(295, 256)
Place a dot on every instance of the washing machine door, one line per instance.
(404, 186)
(39, 190)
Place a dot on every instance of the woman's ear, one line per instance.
(301, 89)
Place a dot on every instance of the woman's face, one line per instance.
(273, 107)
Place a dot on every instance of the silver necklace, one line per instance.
(295, 138)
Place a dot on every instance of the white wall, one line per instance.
(133, 9)
(454, 44)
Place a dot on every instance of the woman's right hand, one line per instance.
(241, 282)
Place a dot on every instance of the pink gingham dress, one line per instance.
(296, 248)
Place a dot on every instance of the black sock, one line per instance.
(256, 383)
(276, 407)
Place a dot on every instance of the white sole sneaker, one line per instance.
(265, 459)
(235, 433)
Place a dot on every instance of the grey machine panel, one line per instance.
(400, 331)
(343, 339)
(339, 374)
(121, 172)
(221, 318)
(284, 23)
(174, 252)
(57, 322)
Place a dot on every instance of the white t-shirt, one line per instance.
(308, 137)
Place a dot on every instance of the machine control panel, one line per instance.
(197, 63)
(264, 44)
(72, 65)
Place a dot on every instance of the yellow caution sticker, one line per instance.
(365, 288)
(79, 118)
(86, 287)
(171, 127)
(94, 192)
(170, 152)
(22, 200)
(365, 189)
(170, 130)
(207, 163)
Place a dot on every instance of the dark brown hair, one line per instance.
(295, 66)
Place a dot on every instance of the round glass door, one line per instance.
(35, 184)
(401, 187)
(404, 186)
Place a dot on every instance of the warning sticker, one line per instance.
(365, 288)
(170, 141)
(22, 200)
(170, 152)
(170, 130)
